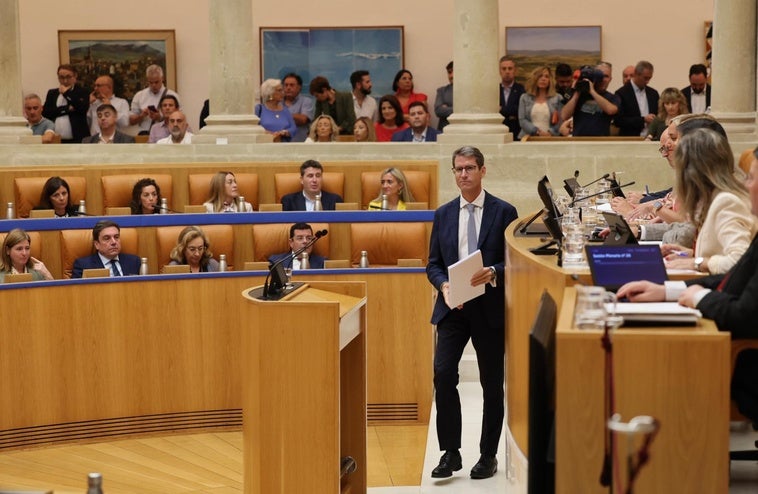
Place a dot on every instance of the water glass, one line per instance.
(590, 312)
(573, 244)
(605, 197)
(288, 272)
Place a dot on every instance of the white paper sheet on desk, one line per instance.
(604, 207)
(459, 276)
(655, 311)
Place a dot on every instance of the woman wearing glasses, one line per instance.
(193, 249)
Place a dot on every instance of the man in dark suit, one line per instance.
(67, 105)
(443, 102)
(419, 130)
(475, 220)
(106, 118)
(698, 93)
(728, 299)
(106, 236)
(638, 102)
(510, 95)
(300, 235)
(311, 173)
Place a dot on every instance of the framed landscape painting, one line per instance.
(124, 55)
(334, 53)
(532, 47)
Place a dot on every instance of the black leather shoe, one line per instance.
(449, 463)
(484, 468)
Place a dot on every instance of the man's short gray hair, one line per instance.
(154, 70)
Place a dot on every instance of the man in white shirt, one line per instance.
(103, 95)
(364, 105)
(638, 102)
(145, 104)
(698, 93)
(177, 124)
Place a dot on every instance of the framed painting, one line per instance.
(124, 55)
(532, 47)
(333, 52)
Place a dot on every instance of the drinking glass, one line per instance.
(573, 244)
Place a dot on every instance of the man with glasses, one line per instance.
(66, 105)
(476, 220)
(300, 235)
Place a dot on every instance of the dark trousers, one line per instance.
(453, 332)
(745, 383)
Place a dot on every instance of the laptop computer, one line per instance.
(612, 266)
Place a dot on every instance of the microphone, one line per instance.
(276, 284)
(599, 179)
(571, 204)
(378, 207)
(79, 213)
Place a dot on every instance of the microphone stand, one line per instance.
(524, 228)
(571, 204)
(266, 290)
(597, 180)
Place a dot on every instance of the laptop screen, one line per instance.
(613, 265)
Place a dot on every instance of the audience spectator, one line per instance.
(40, 125)
(638, 102)
(56, 195)
(17, 259)
(390, 118)
(698, 93)
(225, 197)
(103, 95)
(300, 235)
(363, 130)
(67, 106)
(539, 108)
(106, 117)
(146, 103)
(299, 105)
(394, 186)
(363, 104)
(336, 104)
(275, 117)
(323, 129)
(591, 107)
(192, 248)
(564, 79)
(106, 237)
(671, 104)
(168, 105)
(311, 172)
(626, 74)
(443, 102)
(510, 95)
(403, 87)
(146, 197)
(177, 124)
(419, 130)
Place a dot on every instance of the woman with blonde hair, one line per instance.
(16, 257)
(363, 130)
(539, 107)
(192, 248)
(225, 195)
(671, 104)
(323, 129)
(394, 186)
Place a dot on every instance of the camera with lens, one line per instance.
(588, 75)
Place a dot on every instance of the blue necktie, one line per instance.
(114, 267)
(471, 228)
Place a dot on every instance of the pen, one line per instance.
(679, 253)
(647, 190)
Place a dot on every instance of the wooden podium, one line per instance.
(304, 389)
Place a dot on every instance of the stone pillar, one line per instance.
(231, 76)
(12, 123)
(733, 96)
(475, 54)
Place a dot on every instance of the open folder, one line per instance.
(655, 313)
(459, 277)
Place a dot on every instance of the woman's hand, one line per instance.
(672, 251)
(40, 266)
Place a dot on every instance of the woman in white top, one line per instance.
(538, 109)
(323, 129)
(225, 196)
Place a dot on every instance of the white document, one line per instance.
(661, 312)
(459, 277)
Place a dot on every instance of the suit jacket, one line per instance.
(129, 264)
(629, 120)
(315, 261)
(76, 108)
(296, 201)
(343, 103)
(687, 92)
(118, 138)
(443, 105)
(407, 135)
(443, 252)
(509, 109)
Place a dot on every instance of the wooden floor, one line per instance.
(189, 463)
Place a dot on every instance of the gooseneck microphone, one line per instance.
(275, 286)
(598, 179)
(571, 204)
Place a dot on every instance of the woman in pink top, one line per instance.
(390, 118)
(403, 87)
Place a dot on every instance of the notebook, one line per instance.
(613, 265)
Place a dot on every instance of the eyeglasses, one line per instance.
(196, 250)
(468, 169)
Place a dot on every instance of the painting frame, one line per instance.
(333, 52)
(144, 46)
(533, 46)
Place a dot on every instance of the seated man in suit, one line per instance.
(419, 130)
(310, 178)
(106, 236)
(300, 235)
(106, 119)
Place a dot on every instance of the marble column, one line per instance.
(733, 96)
(475, 53)
(232, 88)
(12, 123)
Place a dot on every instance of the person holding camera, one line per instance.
(591, 106)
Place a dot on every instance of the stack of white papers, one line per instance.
(655, 312)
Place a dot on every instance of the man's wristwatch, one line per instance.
(698, 263)
(493, 273)
(657, 205)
